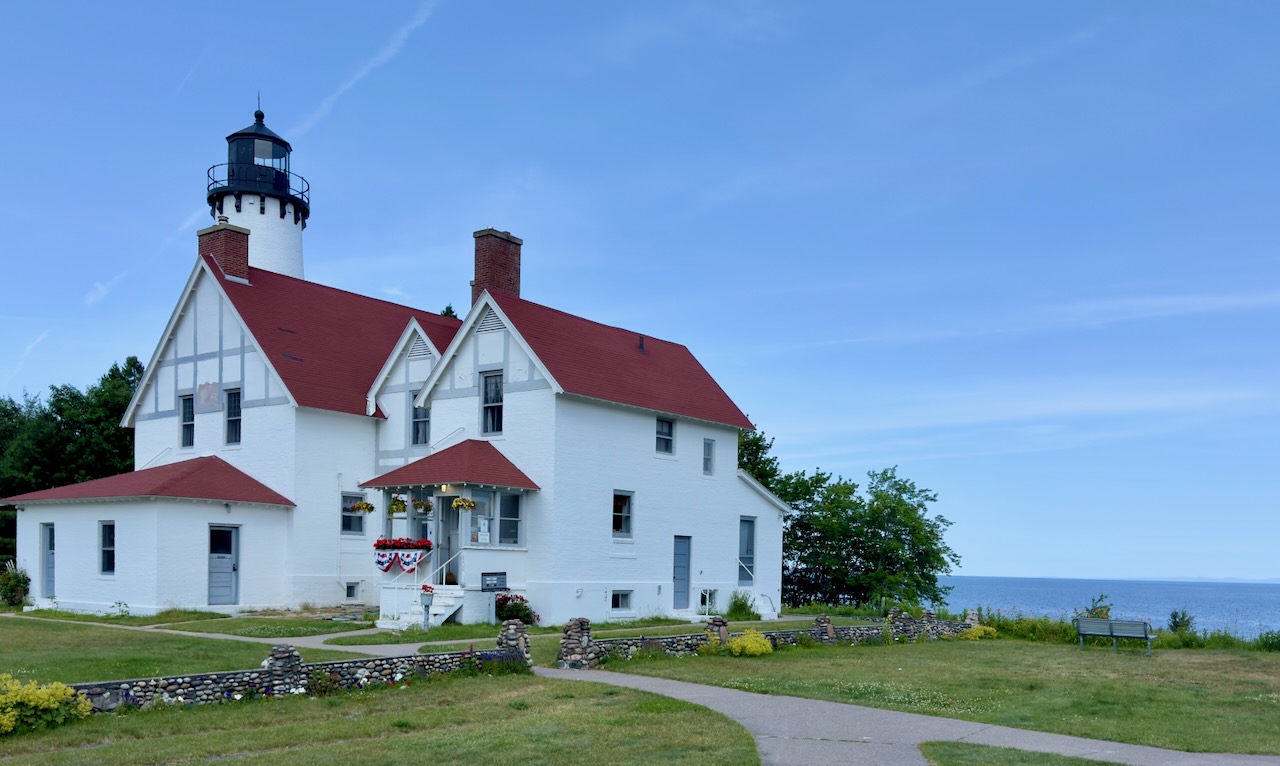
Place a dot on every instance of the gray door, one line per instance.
(46, 545)
(680, 573)
(447, 541)
(224, 565)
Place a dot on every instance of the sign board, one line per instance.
(491, 581)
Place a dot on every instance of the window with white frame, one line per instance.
(509, 520)
(352, 516)
(620, 600)
(482, 518)
(492, 397)
(708, 457)
(107, 547)
(420, 422)
(187, 408)
(622, 515)
(746, 551)
(666, 436)
(233, 416)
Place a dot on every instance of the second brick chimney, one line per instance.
(229, 246)
(497, 263)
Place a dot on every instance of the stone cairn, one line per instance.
(284, 669)
(576, 650)
(513, 636)
(823, 630)
(719, 628)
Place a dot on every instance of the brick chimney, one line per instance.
(497, 263)
(229, 246)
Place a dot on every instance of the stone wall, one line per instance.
(578, 650)
(284, 673)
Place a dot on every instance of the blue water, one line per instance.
(1243, 609)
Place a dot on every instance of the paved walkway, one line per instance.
(794, 730)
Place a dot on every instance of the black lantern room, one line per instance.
(258, 163)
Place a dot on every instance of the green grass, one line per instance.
(1198, 701)
(503, 720)
(161, 618)
(44, 650)
(270, 627)
(412, 635)
(966, 754)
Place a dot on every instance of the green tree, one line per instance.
(754, 457)
(448, 311)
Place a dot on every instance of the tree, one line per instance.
(448, 311)
(843, 546)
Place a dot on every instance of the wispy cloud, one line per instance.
(26, 352)
(388, 52)
(1076, 314)
(101, 290)
(193, 69)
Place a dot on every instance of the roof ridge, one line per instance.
(501, 295)
(427, 312)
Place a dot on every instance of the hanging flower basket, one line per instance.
(463, 504)
(422, 506)
(363, 506)
(396, 505)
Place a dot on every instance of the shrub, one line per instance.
(1268, 642)
(742, 607)
(502, 663)
(14, 584)
(508, 606)
(1180, 621)
(806, 641)
(750, 644)
(30, 706)
(321, 684)
(712, 646)
(1097, 608)
(977, 632)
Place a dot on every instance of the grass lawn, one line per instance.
(44, 651)
(965, 754)
(504, 720)
(271, 627)
(1192, 700)
(137, 620)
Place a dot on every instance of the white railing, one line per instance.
(431, 578)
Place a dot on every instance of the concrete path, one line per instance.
(793, 730)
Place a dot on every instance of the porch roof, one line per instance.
(470, 462)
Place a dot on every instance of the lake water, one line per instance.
(1243, 609)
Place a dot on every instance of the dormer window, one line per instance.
(492, 393)
(666, 436)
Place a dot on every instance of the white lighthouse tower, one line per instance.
(256, 190)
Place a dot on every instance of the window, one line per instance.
(621, 515)
(107, 547)
(492, 403)
(482, 518)
(620, 600)
(666, 436)
(420, 419)
(352, 518)
(353, 591)
(708, 457)
(746, 551)
(509, 520)
(187, 404)
(233, 416)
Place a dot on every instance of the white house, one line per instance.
(595, 468)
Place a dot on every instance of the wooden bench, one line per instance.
(1097, 626)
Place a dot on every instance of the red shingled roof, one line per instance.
(202, 478)
(471, 462)
(327, 344)
(603, 362)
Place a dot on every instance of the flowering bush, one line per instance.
(14, 584)
(977, 632)
(752, 643)
(30, 706)
(463, 504)
(508, 606)
(401, 544)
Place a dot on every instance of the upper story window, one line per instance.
(708, 457)
(352, 518)
(492, 391)
(233, 416)
(622, 515)
(187, 408)
(666, 436)
(420, 422)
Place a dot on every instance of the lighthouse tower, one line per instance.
(256, 190)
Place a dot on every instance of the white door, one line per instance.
(224, 565)
(46, 535)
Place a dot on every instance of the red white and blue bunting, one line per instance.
(408, 560)
(384, 559)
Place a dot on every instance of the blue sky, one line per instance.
(1025, 252)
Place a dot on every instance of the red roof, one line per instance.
(603, 362)
(201, 478)
(327, 344)
(471, 462)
